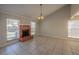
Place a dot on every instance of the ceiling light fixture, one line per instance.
(41, 17)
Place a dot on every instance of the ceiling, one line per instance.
(29, 10)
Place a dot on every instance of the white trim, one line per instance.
(9, 43)
(55, 37)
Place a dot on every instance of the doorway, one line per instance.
(12, 29)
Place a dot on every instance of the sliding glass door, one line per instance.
(12, 29)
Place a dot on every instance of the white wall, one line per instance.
(74, 9)
(55, 25)
(2, 30)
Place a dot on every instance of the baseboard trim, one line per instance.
(9, 43)
(75, 39)
(67, 38)
(54, 37)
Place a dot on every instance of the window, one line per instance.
(12, 29)
(73, 29)
(33, 26)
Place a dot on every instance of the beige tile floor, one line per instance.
(42, 46)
